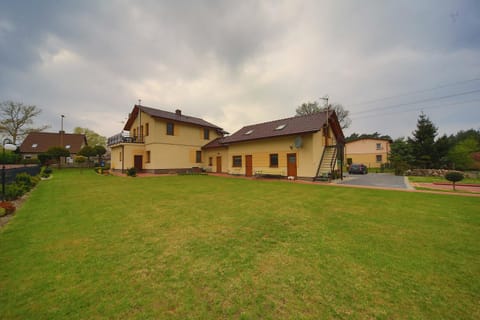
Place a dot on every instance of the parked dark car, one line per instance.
(358, 168)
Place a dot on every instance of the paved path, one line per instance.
(382, 180)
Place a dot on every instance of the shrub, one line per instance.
(131, 172)
(454, 176)
(26, 181)
(14, 191)
(45, 172)
(8, 207)
(2, 212)
(44, 158)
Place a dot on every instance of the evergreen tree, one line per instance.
(400, 155)
(442, 148)
(423, 142)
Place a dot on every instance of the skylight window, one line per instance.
(248, 132)
(280, 127)
(34, 145)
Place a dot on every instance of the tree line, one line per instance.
(426, 150)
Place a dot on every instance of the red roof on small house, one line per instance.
(175, 116)
(283, 127)
(38, 142)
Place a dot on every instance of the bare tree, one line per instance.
(307, 108)
(17, 118)
(314, 107)
(342, 115)
(93, 138)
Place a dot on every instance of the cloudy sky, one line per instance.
(236, 63)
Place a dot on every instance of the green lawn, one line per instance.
(441, 179)
(86, 246)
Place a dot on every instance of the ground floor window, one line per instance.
(379, 158)
(210, 161)
(198, 156)
(237, 161)
(274, 160)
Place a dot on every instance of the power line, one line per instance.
(414, 92)
(415, 109)
(418, 101)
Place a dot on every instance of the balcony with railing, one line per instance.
(124, 137)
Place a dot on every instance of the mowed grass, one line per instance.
(86, 246)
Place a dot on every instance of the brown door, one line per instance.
(219, 164)
(248, 166)
(292, 164)
(138, 162)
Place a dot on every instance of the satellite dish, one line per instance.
(298, 142)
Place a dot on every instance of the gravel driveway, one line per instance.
(382, 180)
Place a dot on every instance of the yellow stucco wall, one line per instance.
(214, 153)
(366, 150)
(179, 151)
(166, 151)
(308, 156)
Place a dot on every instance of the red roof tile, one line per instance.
(156, 113)
(37, 142)
(283, 127)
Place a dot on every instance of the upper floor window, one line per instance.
(134, 132)
(206, 134)
(274, 160)
(198, 156)
(170, 128)
(379, 146)
(236, 161)
(147, 129)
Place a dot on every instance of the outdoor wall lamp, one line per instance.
(6, 144)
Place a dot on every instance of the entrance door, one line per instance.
(138, 163)
(248, 166)
(219, 164)
(292, 164)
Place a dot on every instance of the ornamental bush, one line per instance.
(8, 207)
(14, 191)
(26, 181)
(131, 172)
(454, 176)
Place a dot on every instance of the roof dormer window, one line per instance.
(280, 127)
(248, 132)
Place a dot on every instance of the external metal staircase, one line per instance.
(327, 163)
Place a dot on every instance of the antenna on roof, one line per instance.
(139, 102)
(325, 98)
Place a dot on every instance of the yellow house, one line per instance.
(158, 141)
(306, 147)
(372, 152)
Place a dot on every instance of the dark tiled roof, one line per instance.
(156, 113)
(37, 142)
(217, 143)
(277, 128)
